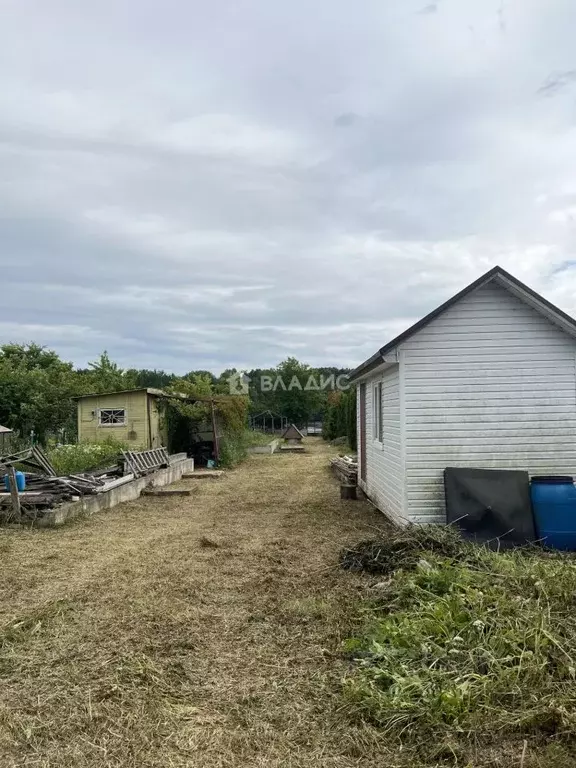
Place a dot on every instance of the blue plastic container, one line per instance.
(20, 481)
(554, 505)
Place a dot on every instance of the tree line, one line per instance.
(37, 388)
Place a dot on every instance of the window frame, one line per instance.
(112, 425)
(377, 413)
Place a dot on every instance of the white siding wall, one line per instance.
(384, 460)
(489, 383)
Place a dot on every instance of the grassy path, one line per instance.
(200, 631)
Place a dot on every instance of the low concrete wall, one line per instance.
(89, 505)
(268, 449)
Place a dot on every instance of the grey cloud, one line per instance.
(226, 184)
(345, 119)
(556, 82)
(428, 9)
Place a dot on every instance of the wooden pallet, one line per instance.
(142, 462)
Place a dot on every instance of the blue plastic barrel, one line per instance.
(20, 481)
(554, 505)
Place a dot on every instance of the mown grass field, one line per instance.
(200, 631)
(218, 631)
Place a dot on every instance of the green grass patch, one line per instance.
(254, 438)
(466, 648)
(82, 457)
(234, 446)
(233, 449)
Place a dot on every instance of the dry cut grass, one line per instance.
(202, 631)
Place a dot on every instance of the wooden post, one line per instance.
(216, 446)
(14, 494)
(348, 491)
(150, 437)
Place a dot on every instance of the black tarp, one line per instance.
(490, 504)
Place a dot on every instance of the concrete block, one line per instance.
(90, 505)
(265, 449)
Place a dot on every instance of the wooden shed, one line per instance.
(486, 380)
(131, 416)
(143, 418)
(292, 435)
(5, 435)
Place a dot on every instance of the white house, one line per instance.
(486, 380)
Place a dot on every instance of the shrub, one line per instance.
(340, 417)
(252, 437)
(234, 445)
(182, 416)
(232, 449)
(82, 457)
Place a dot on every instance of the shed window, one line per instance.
(112, 417)
(377, 409)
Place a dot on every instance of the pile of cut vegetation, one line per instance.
(402, 548)
(467, 655)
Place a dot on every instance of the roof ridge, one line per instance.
(487, 277)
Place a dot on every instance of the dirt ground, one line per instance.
(192, 631)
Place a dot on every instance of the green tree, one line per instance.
(340, 417)
(151, 378)
(222, 385)
(106, 376)
(202, 374)
(36, 388)
(295, 394)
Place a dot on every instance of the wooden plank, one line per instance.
(115, 483)
(16, 512)
(44, 460)
(204, 474)
(4, 495)
(39, 500)
(168, 492)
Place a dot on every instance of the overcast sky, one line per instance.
(210, 184)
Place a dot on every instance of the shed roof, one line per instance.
(5, 430)
(496, 275)
(160, 393)
(149, 390)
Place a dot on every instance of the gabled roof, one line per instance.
(496, 275)
(292, 433)
(5, 430)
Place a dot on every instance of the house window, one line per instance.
(377, 411)
(112, 417)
